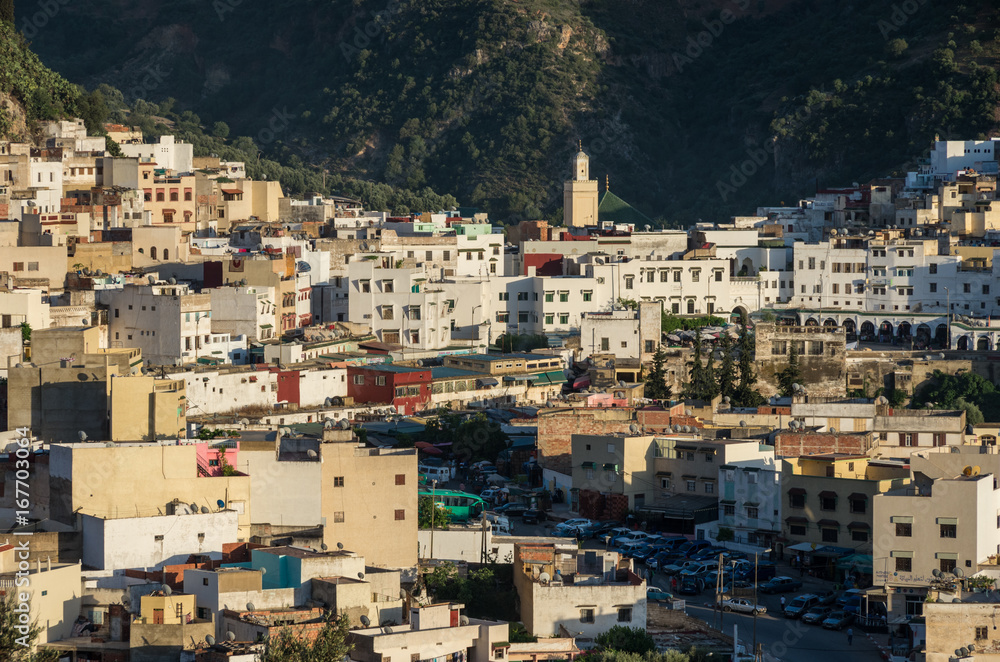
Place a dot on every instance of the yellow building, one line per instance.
(54, 593)
(139, 480)
(173, 609)
(580, 195)
(369, 499)
(147, 409)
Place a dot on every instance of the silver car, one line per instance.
(743, 606)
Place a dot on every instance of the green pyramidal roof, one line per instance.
(614, 209)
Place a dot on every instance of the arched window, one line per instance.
(690, 306)
(152, 252)
(166, 253)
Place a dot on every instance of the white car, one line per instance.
(573, 524)
(743, 606)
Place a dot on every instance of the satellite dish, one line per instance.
(82, 435)
(172, 280)
(230, 635)
(340, 545)
(727, 399)
(743, 424)
(365, 620)
(244, 422)
(688, 412)
(544, 577)
(263, 571)
(311, 453)
(958, 572)
(328, 425)
(249, 606)
(361, 575)
(963, 652)
(634, 429)
(402, 594)
(110, 444)
(976, 470)
(204, 510)
(166, 589)
(833, 430)
(220, 503)
(967, 471)
(936, 572)
(463, 620)
(323, 546)
(194, 507)
(210, 640)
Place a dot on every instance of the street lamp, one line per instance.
(433, 508)
(755, 555)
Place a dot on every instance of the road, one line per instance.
(784, 639)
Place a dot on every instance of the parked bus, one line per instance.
(461, 505)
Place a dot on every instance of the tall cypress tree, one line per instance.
(746, 394)
(656, 386)
(727, 371)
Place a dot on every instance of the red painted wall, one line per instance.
(546, 264)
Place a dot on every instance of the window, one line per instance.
(695, 275)
(32, 266)
(691, 486)
(664, 276)
(338, 481)
(401, 479)
(933, 268)
(904, 530)
(933, 287)
(728, 510)
(359, 380)
(588, 296)
(904, 564)
(797, 530)
(827, 502)
(338, 517)
(563, 297)
(677, 276)
(628, 282)
(709, 487)
(19, 266)
(949, 531)
(752, 512)
(710, 457)
(829, 535)
(797, 500)
(550, 318)
(859, 535)
(564, 318)
(690, 307)
(504, 296)
(665, 483)
(986, 288)
(981, 632)
(858, 505)
(624, 614)
(586, 615)
(400, 515)
(550, 297)
(967, 287)
(605, 344)
(948, 565)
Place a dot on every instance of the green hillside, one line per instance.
(486, 99)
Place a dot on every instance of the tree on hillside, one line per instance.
(727, 371)
(220, 130)
(16, 644)
(7, 11)
(330, 644)
(656, 386)
(701, 383)
(746, 394)
(791, 374)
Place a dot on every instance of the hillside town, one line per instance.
(231, 414)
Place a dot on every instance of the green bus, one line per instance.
(461, 505)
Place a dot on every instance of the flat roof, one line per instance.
(506, 357)
(447, 372)
(389, 367)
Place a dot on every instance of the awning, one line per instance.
(589, 465)
(727, 502)
(827, 494)
(796, 520)
(487, 382)
(829, 523)
(802, 547)
(857, 496)
(946, 555)
(900, 519)
(610, 467)
(862, 562)
(664, 473)
(859, 525)
(266, 326)
(796, 491)
(901, 555)
(947, 520)
(232, 191)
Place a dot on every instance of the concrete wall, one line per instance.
(545, 608)
(950, 626)
(116, 544)
(823, 373)
(283, 492)
(55, 598)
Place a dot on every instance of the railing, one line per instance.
(203, 468)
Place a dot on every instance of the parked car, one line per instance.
(700, 569)
(533, 516)
(645, 552)
(676, 568)
(490, 493)
(765, 571)
(630, 548)
(847, 595)
(743, 605)
(827, 598)
(780, 585)
(511, 509)
(612, 534)
(709, 553)
(691, 585)
(658, 595)
(631, 536)
(801, 605)
(817, 614)
(571, 527)
(598, 529)
(838, 620)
